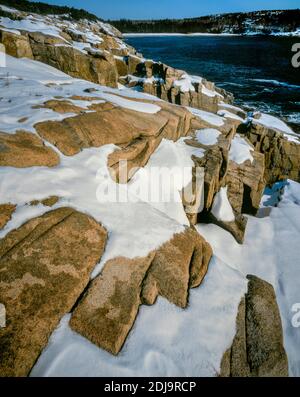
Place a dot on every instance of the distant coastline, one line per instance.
(264, 23)
(283, 34)
(179, 34)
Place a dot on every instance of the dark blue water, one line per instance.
(257, 70)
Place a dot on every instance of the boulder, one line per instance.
(24, 149)
(282, 157)
(16, 45)
(48, 202)
(257, 348)
(116, 125)
(6, 211)
(108, 310)
(246, 184)
(44, 265)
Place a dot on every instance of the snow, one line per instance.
(160, 182)
(230, 107)
(210, 93)
(273, 122)
(208, 136)
(221, 207)
(270, 251)
(240, 150)
(143, 80)
(143, 107)
(210, 118)
(168, 341)
(31, 26)
(26, 83)
(8, 9)
(184, 83)
(196, 79)
(178, 34)
(81, 46)
(165, 340)
(10, 31)
(135, 227)
(230, 115)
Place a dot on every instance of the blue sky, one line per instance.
(157, 9)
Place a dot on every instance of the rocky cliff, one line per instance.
(77, 103)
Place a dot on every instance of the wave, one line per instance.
(230, 83)
(276, 83)
(294, 118)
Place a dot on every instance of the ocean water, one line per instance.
(256, 69)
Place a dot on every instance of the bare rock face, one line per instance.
(24, 149)
(16, 45)
(98, 66)
(282, 157)
(6, 211)
(257, 349)
(246, 184)
(159, 80)
(137, 134)
(107, 60)
(108, 310)
(44, 266)
(47, 202)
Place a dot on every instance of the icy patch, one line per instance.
(240, 150)
(221, 207)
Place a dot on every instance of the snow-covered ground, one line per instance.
(165, 340)
(270, 121)
(25, 83)
(168, 341)
(240, 150)
(270, 251)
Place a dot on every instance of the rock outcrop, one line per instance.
(44, 266)
(108, 310)
(282, 157)
(172, 85)
(6, 211)
(94, 51)
(24, 149)
(257, 348)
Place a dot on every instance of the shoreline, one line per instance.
(290, 34)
